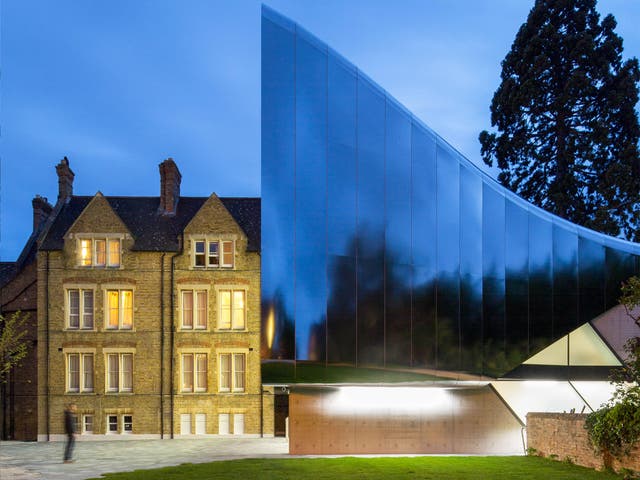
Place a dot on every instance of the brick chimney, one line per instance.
(65, 181)
(169, 187)
(41, 211)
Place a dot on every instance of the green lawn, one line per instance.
(440, 468)
(310, 372)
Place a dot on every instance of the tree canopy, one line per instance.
(615, 427)
(13, 342)
(567, 127)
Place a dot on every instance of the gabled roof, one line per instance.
(246, 211)
(151, 230)
(7, 271)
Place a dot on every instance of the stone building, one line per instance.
(148, 314)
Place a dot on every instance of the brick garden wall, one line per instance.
(564, 435)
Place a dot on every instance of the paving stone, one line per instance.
(36, 461)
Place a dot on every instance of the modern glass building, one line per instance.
(383, 246)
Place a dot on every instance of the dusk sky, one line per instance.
(119, 86)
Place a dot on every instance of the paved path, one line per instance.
(43, 461)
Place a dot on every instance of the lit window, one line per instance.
(213, 253)
(232, 372)
(194, 314)
(86, 251)
(227, 254)
(194, 372)
(80, 309)
(87, 424)
(100, 252)
(80, 372)
(119, 372)
(232, 310)
(114, 252)
(120, 309)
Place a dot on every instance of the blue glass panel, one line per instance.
(540, 282)
(493, 284)
(471, 269)
(448, 233)
(516, 283)
(397, 237)
(424, 194)
(424, 317)
(424, 240)
(448, 219)
(341, 212)
(565, 281)
(341, 309)
(398, 322)
(387, 248)
(619, 267)
(471, 323)
(341, 160)
(398, 186)
(310, 201)
(278, 157)
(591, 262)
(370, 243)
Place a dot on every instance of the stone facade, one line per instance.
(131, 325)
(563, 436)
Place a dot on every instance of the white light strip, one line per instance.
(389, 400)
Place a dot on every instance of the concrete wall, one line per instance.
(437, 420)
(564, 436)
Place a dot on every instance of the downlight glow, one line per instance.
(271, 327)
(389, 400)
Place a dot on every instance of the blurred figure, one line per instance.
(70, 430)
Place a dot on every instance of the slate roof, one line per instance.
(8, 270)
(152, 231)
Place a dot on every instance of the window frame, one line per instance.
(232, 289)
(196, 313)
(195, 386)
(121, 308)
(120, 424)
(232, 355)
(108, 424)
(207, 258)
(124, 423)
(119, 354)
(88, 251)
(84, 430)
(82, 313)
(83, 355)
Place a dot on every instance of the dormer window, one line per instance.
(100, 252)
(213, 253)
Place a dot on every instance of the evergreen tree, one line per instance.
(565, 115)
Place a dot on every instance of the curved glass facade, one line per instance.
(383, 246)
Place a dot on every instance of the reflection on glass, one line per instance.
(383, 246)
